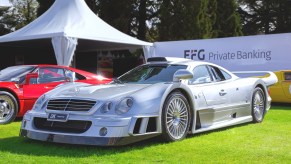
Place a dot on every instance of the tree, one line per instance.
(15, 17)
(117, 13)
(227, 20)
(44, 5)
(25, 12)
(282, 21)
(184, 19)
(265, 16)
(142, 18)
(7, 21)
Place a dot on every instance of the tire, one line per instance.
(176, 117)
(258, 105)
(8, 107)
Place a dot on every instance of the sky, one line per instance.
(5, 3)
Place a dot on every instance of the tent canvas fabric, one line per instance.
(70, 24)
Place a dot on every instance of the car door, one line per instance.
(211, 96)
(217, 94)
(48, 79)
(214, 92)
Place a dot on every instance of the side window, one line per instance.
(200, 75)
(80, 77)
(215, 74)
(219, 74)
(77, 75)
(287, 76)
(50, 74)
(225, 74)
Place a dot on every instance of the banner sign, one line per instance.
(248, 53)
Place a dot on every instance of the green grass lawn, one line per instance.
(267, 142)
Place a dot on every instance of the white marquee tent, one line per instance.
(67, 25)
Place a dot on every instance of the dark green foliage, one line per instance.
(92, 4)
(182, 19)
(7, 21)
(164, 20)
(44, 5)
(227, 22)
(25, 12)
(129, 16)
(142, 18)
(117, 13)
(265, 16)
(198, 19)
(13, 18)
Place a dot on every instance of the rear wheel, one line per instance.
(258, 105)
(176, 117)
(8, 107)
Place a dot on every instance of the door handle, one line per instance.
(222, 93)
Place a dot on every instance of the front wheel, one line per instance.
(8, 107)
(258, 105)
(176, 117)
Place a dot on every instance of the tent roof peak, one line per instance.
(71, 18)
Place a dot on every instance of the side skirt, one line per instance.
(235, 121)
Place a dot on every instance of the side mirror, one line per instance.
(31, 76)
(182, 74)
(71, 76)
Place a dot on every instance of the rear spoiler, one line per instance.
(269, 80)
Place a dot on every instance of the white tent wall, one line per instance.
(148, 51)
(64, 48)
(70, 19)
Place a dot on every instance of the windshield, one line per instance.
(150, 74)
(15, 73)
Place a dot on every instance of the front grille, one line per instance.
(71, 126)
(70, 104)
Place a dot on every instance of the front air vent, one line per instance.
(70, 105)
(145, 125)
(71, 126)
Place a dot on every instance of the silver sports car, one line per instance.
(167, 97)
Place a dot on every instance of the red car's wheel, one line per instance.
(8, 107)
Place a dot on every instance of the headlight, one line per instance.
(106, 107)
(124, 105)
(40, 101)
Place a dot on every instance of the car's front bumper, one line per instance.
(119, 131)
(82, 140)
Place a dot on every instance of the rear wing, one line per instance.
(268, 77)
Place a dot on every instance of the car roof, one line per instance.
(183, 61)
(51, 65)
(175, 60)
(43, 65)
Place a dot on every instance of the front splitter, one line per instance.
(83, 140)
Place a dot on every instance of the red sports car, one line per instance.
(20, 86)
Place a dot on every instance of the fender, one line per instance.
(177, 86)
(269, 79)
